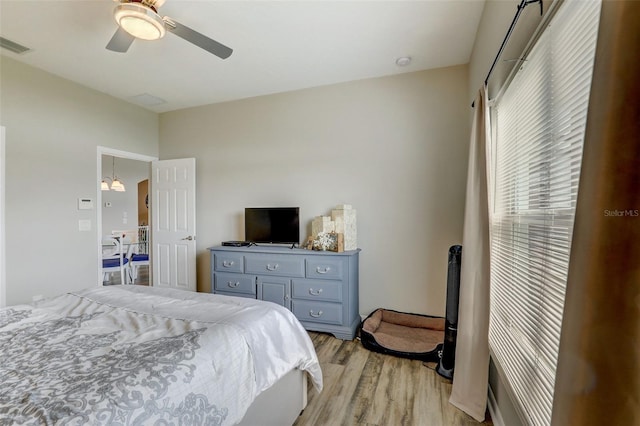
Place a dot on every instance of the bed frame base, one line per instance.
(281, 404)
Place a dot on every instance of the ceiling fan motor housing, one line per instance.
(153, 4)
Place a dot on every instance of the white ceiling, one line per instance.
(278, 45)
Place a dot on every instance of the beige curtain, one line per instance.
(471, 374)
(598, 375)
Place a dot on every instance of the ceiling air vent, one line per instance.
(146, 99)
(13, 46)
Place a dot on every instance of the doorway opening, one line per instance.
(123, 214)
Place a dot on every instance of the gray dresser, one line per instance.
(319, 287)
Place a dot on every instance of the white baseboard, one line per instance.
(494, 409)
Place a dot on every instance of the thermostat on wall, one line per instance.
(85, 204)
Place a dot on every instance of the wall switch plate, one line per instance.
(84, 225)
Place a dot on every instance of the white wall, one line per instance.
(395, 148)
(53, 128)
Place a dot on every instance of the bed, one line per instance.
(140, 355)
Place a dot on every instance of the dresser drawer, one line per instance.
(324, 268)
(321, 290)
(235, 283)
(292, 266)
(229, 262)
(323, 312)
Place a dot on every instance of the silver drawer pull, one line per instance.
(318, 315)
(271, 267)
(227, 263)
(323, 271)
(315, 292)
(233, 284)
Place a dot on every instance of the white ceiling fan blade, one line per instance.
(120, 41)
(198, 39)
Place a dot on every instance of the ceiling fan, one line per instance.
(140, 19)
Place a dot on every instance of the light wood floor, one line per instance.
(367, 388)
(142, 279)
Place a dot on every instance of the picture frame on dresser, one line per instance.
(319, 287)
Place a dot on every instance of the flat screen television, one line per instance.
(275, 225)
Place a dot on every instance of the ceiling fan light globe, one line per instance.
(139, 21)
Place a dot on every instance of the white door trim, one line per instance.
(103, 150)
(3, 263)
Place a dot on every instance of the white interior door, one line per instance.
(173, 236)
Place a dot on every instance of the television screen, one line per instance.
(278, 225)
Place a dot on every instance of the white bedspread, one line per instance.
(139, 355)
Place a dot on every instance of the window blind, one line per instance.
(539, 123)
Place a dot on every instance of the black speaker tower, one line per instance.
(448, 357)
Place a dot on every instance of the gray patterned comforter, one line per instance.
(130, 355)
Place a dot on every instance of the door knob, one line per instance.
(189, 238)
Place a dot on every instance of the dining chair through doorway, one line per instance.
(117, 260)
(137, 260)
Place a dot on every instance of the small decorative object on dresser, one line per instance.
(326, 242)
(344, 218)
(335, 233)
(319, 287)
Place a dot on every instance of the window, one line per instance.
(538, 128)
